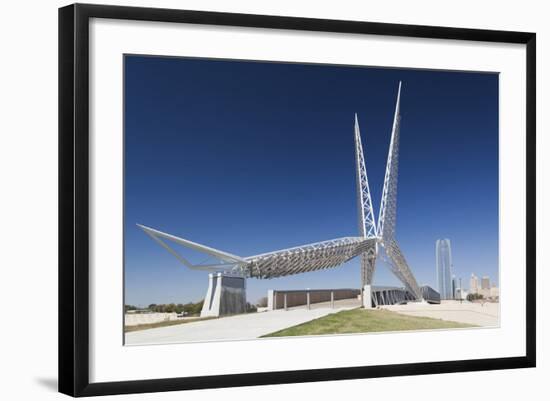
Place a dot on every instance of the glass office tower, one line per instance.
(443, 263)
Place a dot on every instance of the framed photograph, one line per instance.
(251, 199)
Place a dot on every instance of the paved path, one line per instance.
(486, 315)
(240, 327)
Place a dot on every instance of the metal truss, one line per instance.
(368, 264)
(385, 232)
(367, 224)
(226, 261)
(391, 295)
(400, 268)
(285, 262)
(326, 254)
(307, 258)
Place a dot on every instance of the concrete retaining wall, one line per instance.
(133, 319)
(279, 299)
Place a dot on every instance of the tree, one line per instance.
(262, 302)
(189, 308)
(197, 308)
(473, 297)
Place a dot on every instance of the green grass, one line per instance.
(147, 326)
(365, 321)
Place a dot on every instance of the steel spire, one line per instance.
(367, 223)
(388, 209)
(388, 205)
(366, 219)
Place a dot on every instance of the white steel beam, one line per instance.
(388, 206)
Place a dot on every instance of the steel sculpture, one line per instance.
(368, 245)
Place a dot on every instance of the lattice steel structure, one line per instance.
(385, 231)
(327, 254)
(300, 259)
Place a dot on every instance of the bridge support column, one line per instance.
(226, 295)
(367, 297)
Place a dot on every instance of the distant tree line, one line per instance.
(189, 308)
(473, 297)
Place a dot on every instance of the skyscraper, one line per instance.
(474, 284)
(485, 286)
(443, 262)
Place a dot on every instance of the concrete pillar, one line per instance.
(332, 299)
(226, 295)
(307, 296)
(212, 280)
(270, 300)
(367, 297)
(285, 301)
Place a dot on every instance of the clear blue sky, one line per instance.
(252, 157)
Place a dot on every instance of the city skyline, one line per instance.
(293, 124)
(491, 283)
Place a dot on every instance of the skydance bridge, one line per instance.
(227, 288)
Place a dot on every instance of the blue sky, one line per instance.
(251, 157)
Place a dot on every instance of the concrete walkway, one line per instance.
(486, 315)
(239, 327)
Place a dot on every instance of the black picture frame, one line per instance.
(74, 198)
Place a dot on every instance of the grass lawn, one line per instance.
(138, 327)
(365, 321)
